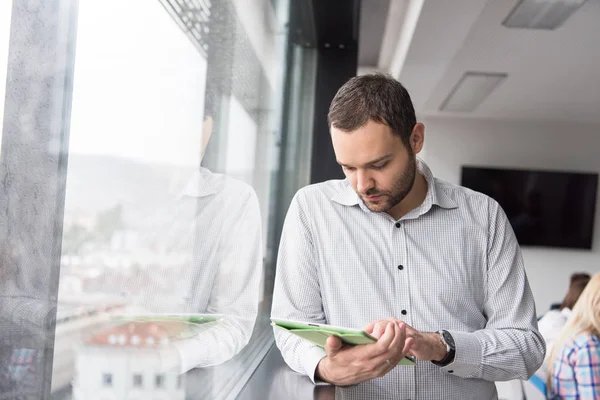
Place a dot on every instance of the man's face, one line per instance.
(377, 163)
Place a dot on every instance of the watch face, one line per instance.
(449, 339)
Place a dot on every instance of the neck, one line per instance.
(413, 199)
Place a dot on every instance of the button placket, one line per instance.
(402, 283)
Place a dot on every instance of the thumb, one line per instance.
(333, 345)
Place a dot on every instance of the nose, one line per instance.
(363, 182)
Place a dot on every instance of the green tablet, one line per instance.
(188, 318)
(318, 334)
(173, 326)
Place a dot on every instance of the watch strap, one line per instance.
(450, 348)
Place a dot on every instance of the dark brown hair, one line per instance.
(373, 97)
(578, 283)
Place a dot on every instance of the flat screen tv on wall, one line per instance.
(545, 208)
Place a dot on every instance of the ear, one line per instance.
(417, 138)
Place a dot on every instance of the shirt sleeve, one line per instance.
(297, 294)
(235, 292)
(510, 346)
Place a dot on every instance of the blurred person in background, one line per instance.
(551, 323)
(575, 355)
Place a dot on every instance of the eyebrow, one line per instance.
(380, 159)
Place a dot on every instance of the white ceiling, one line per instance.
(552, 75)
(372, 14)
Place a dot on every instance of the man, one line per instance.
(431, 269)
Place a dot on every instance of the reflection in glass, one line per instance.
(153, 264)
(162, 259)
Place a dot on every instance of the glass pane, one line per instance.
(140, 182)
(172, 155)
(136, 132)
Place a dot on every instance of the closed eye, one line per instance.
(379, 166)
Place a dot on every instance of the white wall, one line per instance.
(451, 143)
(93, 362)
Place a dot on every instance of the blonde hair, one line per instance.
(585, 318)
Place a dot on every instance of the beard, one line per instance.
(400, 189)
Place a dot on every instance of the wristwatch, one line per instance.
(448, 340)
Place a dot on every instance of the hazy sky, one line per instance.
(138, 86)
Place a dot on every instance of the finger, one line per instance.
(397, 343)
(380, 329)
(385, 366)
(404, 347)
(410, 331)
(375, 350)
(395, 350)
(408, 346)
(369, 327)
(384, 341)
(333, 345)
(386, 353)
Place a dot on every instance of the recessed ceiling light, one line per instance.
(541, 14)
(471, 90)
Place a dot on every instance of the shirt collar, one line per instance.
(346, 196)
(203, 183)
(435, 194)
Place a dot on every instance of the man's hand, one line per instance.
(350, 365)
(426, 346)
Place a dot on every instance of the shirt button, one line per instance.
(403, 312)
(400, 267)
(398, 225)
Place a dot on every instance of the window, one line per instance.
(122, 134)
(135, 138)
(137, 380)
(107, 380)
(159, 381)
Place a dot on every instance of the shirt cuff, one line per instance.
(468, 357)
(310, 360)
(171, 360)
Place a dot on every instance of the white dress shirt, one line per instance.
(215, 224)
(551, 324)
(452, 263)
